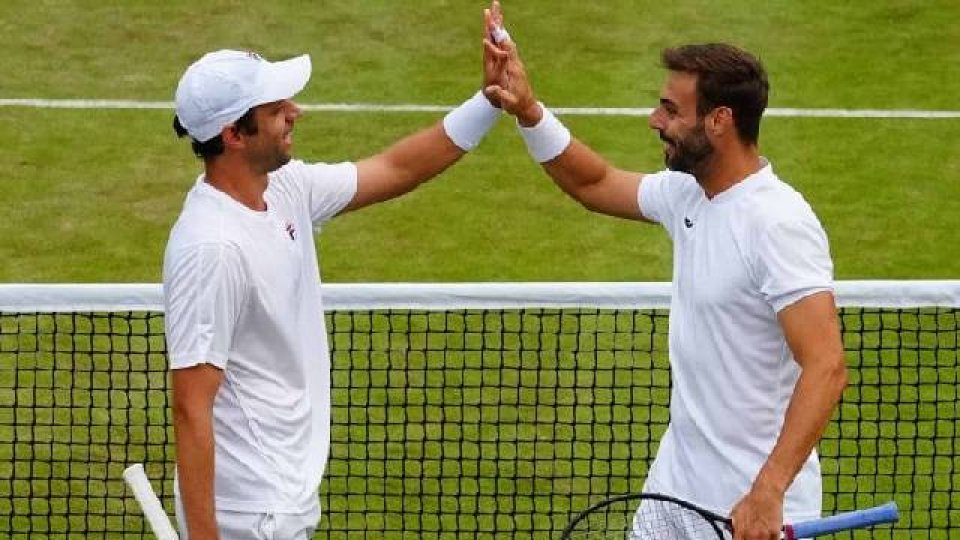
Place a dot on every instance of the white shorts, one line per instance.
(259, 526)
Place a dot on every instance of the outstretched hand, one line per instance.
(505, 80)
(494, 64)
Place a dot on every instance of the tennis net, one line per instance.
(461, 411)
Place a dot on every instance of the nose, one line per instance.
(656, 120)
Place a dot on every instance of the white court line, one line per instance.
(573, 111)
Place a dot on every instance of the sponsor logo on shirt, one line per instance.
(292, 231)
(688, 222)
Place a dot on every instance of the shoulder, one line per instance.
(673, 181)
(782, 234)
(298, 171)
(323, 189)
(204, 223)
(202, 250)
(665, 192)
(774, 203)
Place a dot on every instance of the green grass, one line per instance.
(85, 207)
(91, 194)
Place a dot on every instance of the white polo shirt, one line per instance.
(739, 258)
(242, 292)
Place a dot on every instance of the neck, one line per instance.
(728, 167)
(238, 180)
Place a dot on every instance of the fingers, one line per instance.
(506, 99)
(493, 23)
(495, 51)
(514, 68)
(494, 90)
(504, 50)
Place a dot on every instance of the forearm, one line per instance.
(816, 394)
(579, 171)
(577, 168)
(417, 158)
(195, 461)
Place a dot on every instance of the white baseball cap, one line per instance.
(223, 85)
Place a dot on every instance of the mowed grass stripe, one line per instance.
(78, 213)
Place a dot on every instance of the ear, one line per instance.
(232, 138)
(720, 121)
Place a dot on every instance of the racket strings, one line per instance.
(654, 520)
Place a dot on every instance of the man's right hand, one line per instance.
(505, 79)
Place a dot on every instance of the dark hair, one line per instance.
(726, 77)
(246, 124)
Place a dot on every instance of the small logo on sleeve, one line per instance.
(291, 231)
(688, 222)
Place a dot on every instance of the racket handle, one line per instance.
(886, 513)
(137, 479)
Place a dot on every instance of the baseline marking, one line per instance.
(571, 111)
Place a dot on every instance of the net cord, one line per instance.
(49, 298)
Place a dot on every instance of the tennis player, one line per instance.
(245, 330)
(755, 349)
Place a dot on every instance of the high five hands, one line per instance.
(505, 80)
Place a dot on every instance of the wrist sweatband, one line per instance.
(546, 140)
(467, 124)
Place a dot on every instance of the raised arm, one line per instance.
(813, 335)
(403, 166)
(419, 157)
(575, 168)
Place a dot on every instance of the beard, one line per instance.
(270, 159)
(279, 160)
(690, 152)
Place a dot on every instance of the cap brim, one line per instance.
(285, 79)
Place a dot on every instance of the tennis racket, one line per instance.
(159, 522)
(667, 518)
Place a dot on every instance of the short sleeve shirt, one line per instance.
(242, 292)
(739, 258)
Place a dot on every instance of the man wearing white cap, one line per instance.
(246, 339)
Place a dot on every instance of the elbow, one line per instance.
(189, 415)
(836, 376)
(587, 196)
(593, 191)
(590, 205)
(828, 375)
(184, 416)
(843, 379)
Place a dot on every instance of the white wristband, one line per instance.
(467, 124)
(546, 140)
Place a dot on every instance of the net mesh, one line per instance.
(461, 423)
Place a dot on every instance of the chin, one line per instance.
(280, 162)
